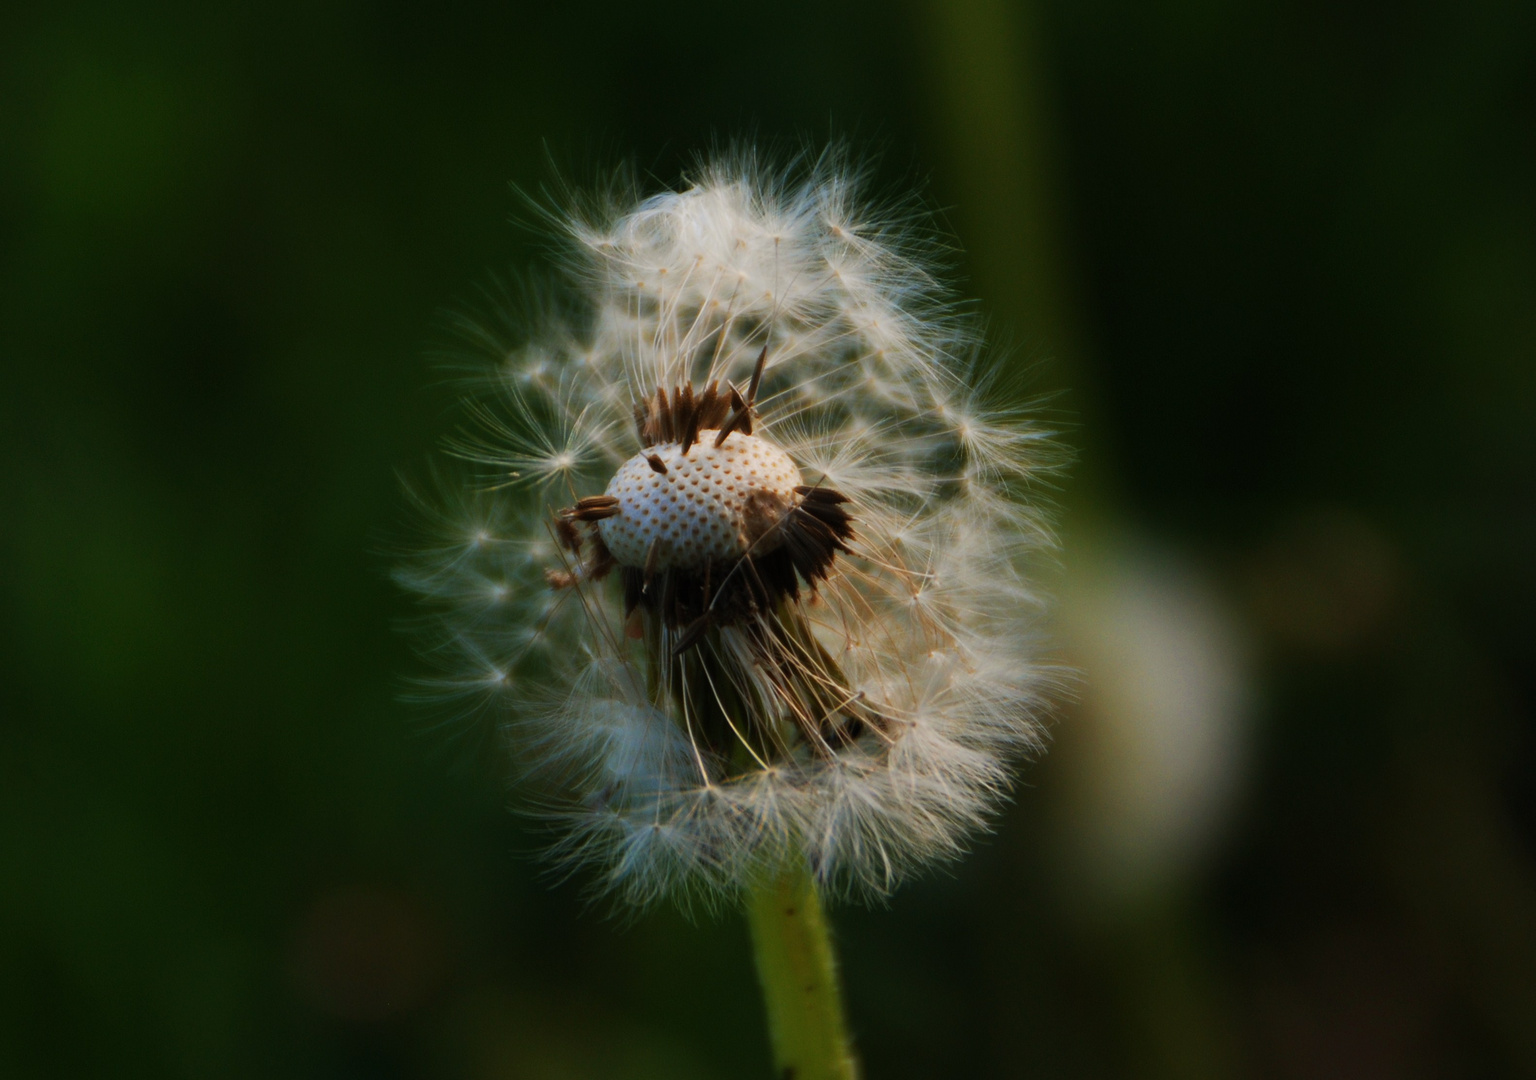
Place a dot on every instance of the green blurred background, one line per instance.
(1273, 262)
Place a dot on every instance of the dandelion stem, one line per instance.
(798, 972)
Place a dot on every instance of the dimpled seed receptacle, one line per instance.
(710, 503)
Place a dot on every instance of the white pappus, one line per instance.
(745, 563)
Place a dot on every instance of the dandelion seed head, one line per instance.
(748, 570)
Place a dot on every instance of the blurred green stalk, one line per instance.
(798, 972)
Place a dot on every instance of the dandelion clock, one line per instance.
(741, 565)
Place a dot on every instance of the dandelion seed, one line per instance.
(755, 546)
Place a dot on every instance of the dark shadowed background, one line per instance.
(1275, 264)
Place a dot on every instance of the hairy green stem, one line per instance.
(798, 972)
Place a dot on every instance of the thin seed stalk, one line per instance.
(798, 972)
(791, 940)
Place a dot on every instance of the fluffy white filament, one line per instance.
(868, 388)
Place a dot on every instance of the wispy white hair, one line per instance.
(869, 385)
